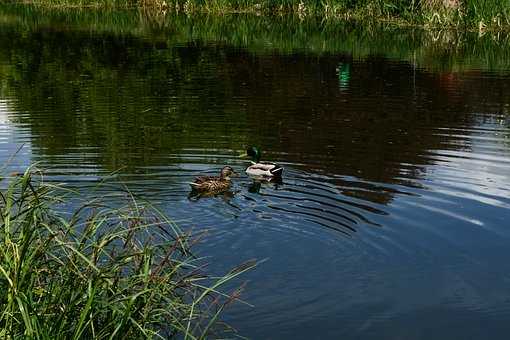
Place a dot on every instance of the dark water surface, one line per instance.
(393, 218)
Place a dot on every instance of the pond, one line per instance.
(392, 221)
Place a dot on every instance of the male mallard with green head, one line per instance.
(214, 183)
(260, 169)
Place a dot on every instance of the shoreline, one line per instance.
(424, 17)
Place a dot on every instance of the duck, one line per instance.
(214, 183)
(260, 169)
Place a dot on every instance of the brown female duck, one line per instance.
(214, 183)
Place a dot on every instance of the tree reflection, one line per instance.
(137, 100)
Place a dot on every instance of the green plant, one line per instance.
(473, 14)
(102, 272)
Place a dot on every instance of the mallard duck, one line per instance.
(214, 183)
(260, 169)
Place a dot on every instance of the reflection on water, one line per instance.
(391, 219)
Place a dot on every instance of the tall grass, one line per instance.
(258, 34)
(479, 15)
(100, 272)
(80, 3)
(488, 13)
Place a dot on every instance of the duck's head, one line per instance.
(227, 172)
(254, 153)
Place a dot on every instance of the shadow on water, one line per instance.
(257, 184)
(395, 146)
(195, 195)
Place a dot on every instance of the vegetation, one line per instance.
(101, 272)
(475, 14)
(260, 35)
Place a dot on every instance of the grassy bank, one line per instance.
(99, 272)
(437, 50)
(478, 15)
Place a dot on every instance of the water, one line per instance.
(392, 221)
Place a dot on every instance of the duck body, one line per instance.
(260, 169)
(214, 183)
(264, 169)
(210, 183)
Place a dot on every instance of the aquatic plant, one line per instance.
(101, 271)
(475, 14)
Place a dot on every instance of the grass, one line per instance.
(472, 14)
(258, 34)
(100, 272)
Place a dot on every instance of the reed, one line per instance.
(487, 14)
(479, 15)
(101, 271)
(79, 3)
